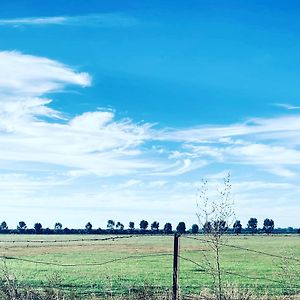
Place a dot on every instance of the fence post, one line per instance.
(176, 267)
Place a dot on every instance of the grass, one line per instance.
(148, 265)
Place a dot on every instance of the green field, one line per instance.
(140, 260)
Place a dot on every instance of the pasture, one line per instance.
(96, 263)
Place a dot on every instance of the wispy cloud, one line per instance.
(271, 144)
(98, 143)
(39, 152)
(97, 20)
(34, 21)
(286, 106)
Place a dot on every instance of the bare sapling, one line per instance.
(215, 214)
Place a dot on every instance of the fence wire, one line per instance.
(279, 284)
(245, 249)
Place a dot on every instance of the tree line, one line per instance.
(145, 227)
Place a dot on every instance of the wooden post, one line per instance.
(176, 267)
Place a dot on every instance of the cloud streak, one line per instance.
(287, 106)
(44, 151)
(96, 20)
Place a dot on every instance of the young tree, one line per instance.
(215, 214)
(168, 228)
(181, 228)
(237, 227)
(252, 225)
(195, 228)
(268, 226)
(155, 226)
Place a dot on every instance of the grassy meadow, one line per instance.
(140, 260)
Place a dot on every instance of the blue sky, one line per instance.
(118, 109)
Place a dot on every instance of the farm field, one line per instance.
(95, 263)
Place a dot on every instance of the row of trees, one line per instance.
(143, 227)
(112, 227)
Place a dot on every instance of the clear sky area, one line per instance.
(118, 109)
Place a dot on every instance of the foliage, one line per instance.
(144, 224)
(3, 226)
(252, 225)
(181, 228)
(38, 227)
(155, 226)
(131, 225)
(88, 226)
(21, 226)
(268, 226)
(195, 228)
(110, 224)
(58, 226)
(168, 228)
(120, 226)
(237, 227)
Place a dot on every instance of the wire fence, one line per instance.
(113, 238)
(270, 283)
(246, 249)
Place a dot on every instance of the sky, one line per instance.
(119, 109)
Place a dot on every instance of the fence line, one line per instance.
(85, 264)
(243, 248)
(233, 273)
(137, 257)
(69, 240)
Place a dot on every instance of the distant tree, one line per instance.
(131, 225)
(154, 226)
(120, 226)
(298, 230)
(237, 227)
(220, 226)
(47, 230)
(181, 228)
(67, 230)
(58, 226)
(195, 228)
(168, 228)
(110, 224)
(207, 227)
(252, 225)
(21, 226)
(268, 226)
(38, 227)
(144, 224)
(88, 227)
(3, 226)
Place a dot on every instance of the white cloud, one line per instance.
(287, 106)
(25, 76)
(271, 144)
(34, 21)
(43, 153)
(99, 20)
(92, 142)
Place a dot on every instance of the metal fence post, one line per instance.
(176, 267)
